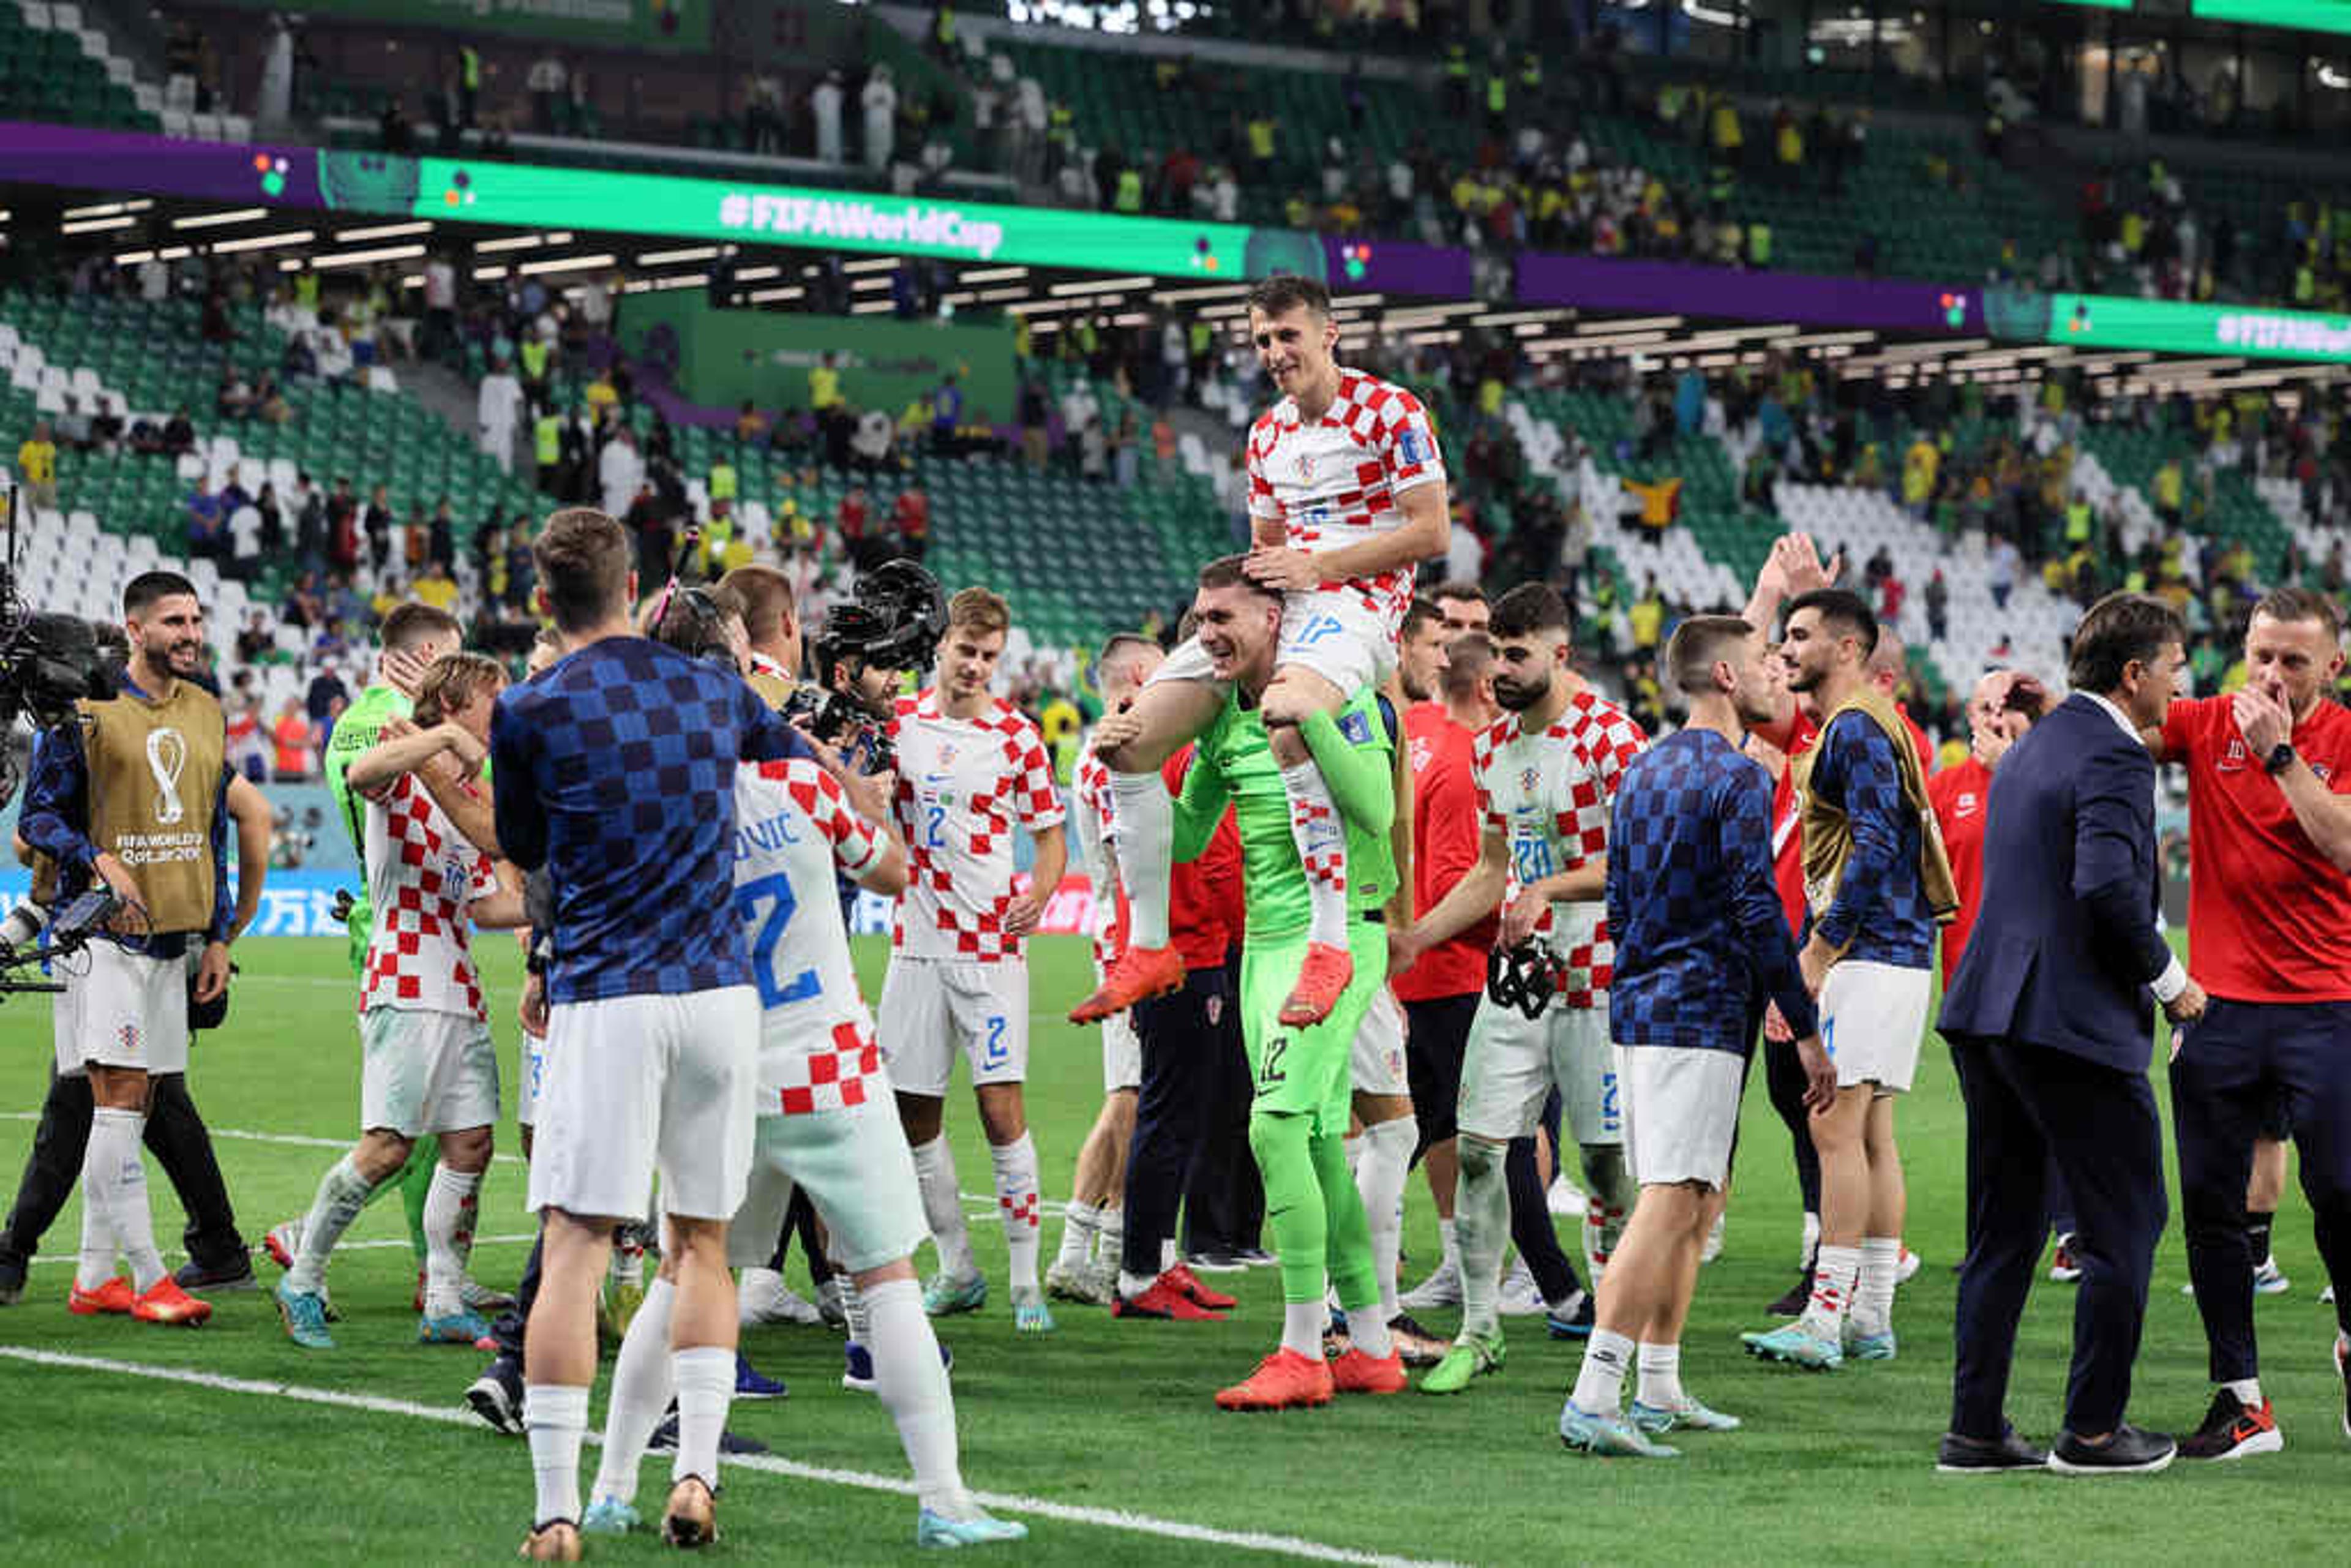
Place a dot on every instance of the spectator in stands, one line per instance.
(911, 515)
(874, 443)
(545, 83)
(292, 736)
(377, 524)
(73, 426)
(620, 472)
(441, 536)
(254, 639)
(824, 107)
(498, 413)
(37, 467)
(438, 588)
(179, 434)
(248, 752)
(1938, 607)
(205, 522)
(763, 111)
(106, 425)
(748, 425)
(879, 101)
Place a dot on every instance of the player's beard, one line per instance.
(1518, 697)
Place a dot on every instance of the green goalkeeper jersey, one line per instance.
(358, 727)
(1233, 761)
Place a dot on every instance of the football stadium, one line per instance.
(1607, 732)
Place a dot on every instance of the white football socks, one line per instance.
(342, 1193)
(912, 1383)
(1873, 1291)
(1834, 1279)
(943, 1207)
(1380, 1175)
(1302, 1327)
(449, 1209)
(555, 1415)
(1600, 1381)
(1080, 1222)
(706, 1387)
(115, 1177)
(1661, 1376)
(1146, 846)
(641, 1395)
(1016, 1203)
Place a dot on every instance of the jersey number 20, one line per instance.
(767, 904)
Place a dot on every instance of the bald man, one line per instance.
(1886, 668)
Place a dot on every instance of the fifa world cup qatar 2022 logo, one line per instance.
(167, 759)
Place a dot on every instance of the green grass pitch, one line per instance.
(123, 1467)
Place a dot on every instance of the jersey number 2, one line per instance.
(766, 906)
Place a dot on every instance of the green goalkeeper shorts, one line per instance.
(1309, 1071)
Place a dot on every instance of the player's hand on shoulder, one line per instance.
(462, 744)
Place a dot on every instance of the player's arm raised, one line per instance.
(2323, 815)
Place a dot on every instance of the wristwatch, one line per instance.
(2280, 758)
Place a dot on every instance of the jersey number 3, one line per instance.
(766, 906)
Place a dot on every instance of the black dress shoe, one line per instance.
(2129, 1452)
(233, 1272)
(1960, 1456)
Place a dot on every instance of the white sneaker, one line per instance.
(2269, 1279)
(1909, 1265)
(1713, 1247)
(762, 1298)
(1441, 1289)
(1520, 1299)
(2326, 1297)
(1564, 1197)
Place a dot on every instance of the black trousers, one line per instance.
(1181, 1068)
(1533, 1231)
(1224, 1198)
(2240, 1062)
(1435, 1042)
(2026, 1104)
(175, 1134)
(514, 1322)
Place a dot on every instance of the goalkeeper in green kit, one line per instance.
(412, 637)
(1298, 1117)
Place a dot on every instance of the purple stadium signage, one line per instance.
(1603, 283)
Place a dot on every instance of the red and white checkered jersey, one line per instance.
(422, 873)
(1548, 794)
(1095, 828)
(963, 784)
(1335, 482)
(793, 825)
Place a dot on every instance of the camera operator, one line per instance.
(114, 809)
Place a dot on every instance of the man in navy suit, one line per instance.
(2051, 1034)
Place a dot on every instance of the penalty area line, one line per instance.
(861, 1480)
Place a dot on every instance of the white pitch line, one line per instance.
(1066, 1513)
(980, 1202)
(68, 1259)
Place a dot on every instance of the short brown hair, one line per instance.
(1420, 613)
(762, 594)
(1231, 571)
(1458, 588)
(406, 625)
(2294, 602)
(582, 558)
(978, 610)
(2119, 630)
(1287, 291)
(450, 682)
(1468, 658)
(1696, 644)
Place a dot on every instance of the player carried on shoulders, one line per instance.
(1346, 495)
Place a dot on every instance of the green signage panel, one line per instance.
(723, 358)
(681, 24)
(2168, 326)
(2311, 15)
(537, 196)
